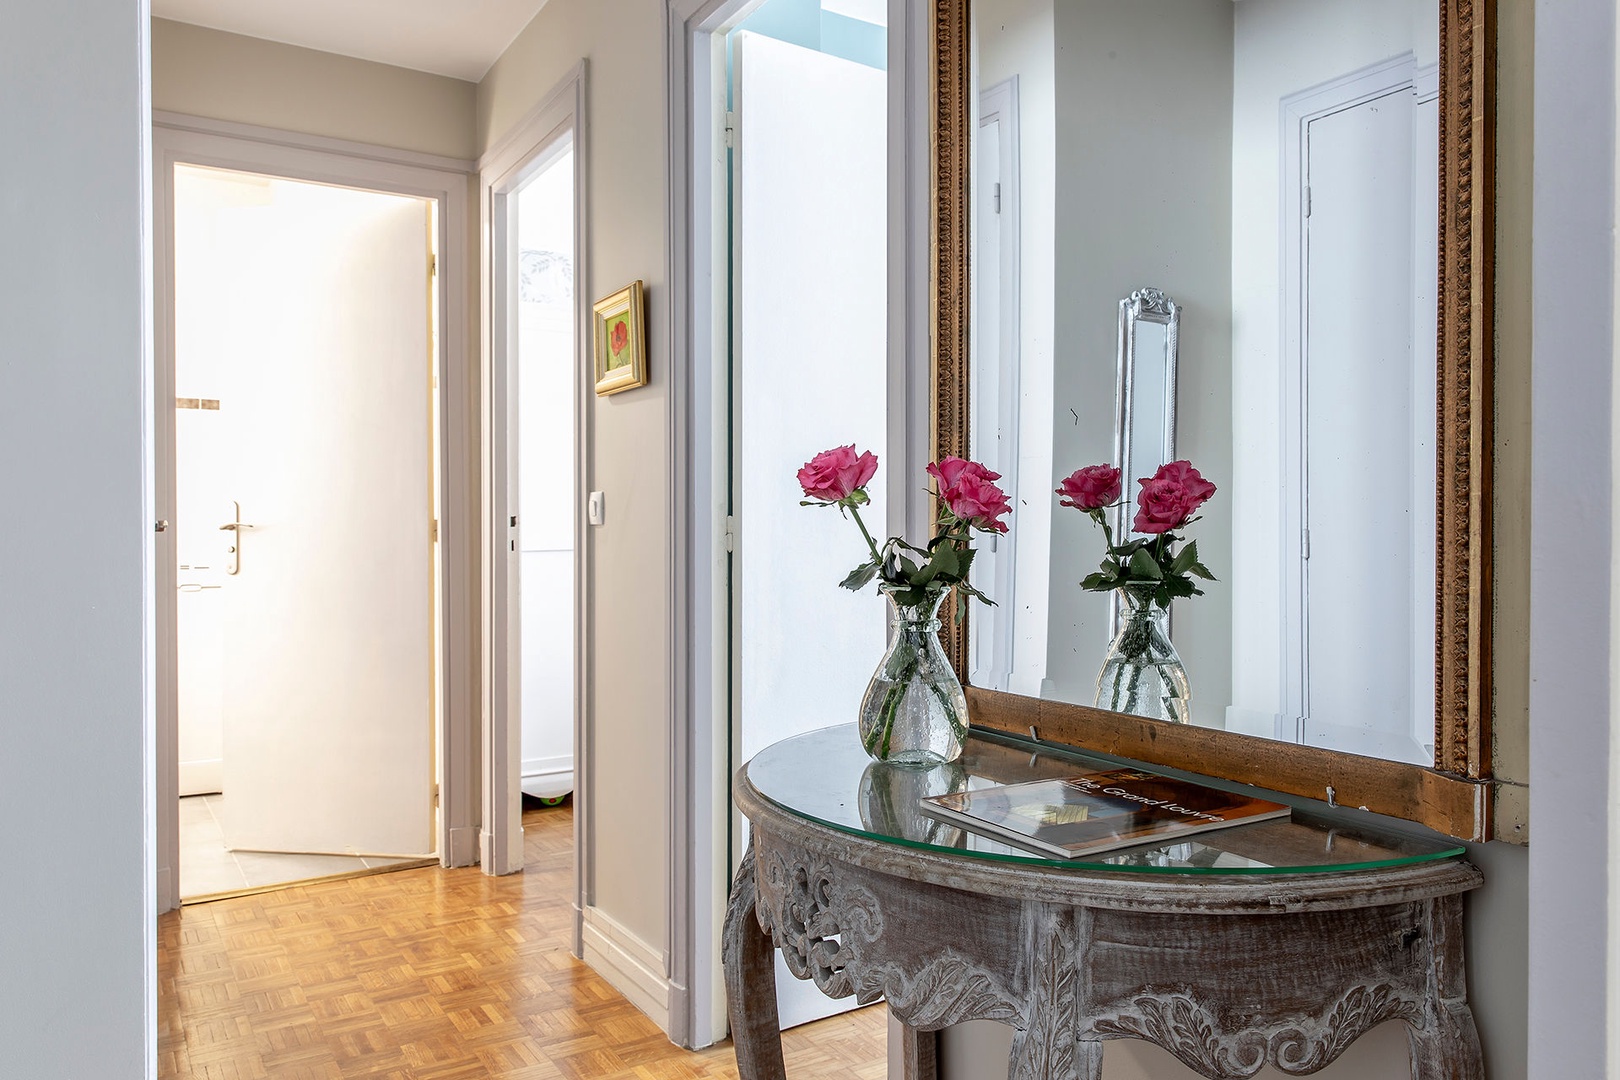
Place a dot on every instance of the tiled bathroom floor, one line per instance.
(206, 867)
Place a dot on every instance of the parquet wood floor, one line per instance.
(432, 974)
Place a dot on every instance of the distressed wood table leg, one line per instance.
(919, 1051)
(749, 959)
(1447, 1046)
(1046, 1048)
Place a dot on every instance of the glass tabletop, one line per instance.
(826, 777)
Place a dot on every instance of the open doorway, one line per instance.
(537, 424)
(305, 530)
(541, 264)
(808, 184)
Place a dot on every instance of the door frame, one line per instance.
(700, 860)
(182, 139)
(521, 154)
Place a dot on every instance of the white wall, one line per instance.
(1280, 47)
(629, 451)
(1128, 218)
(77, 910)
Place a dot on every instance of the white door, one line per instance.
(994, 397)
(327, 629)
(810, 311)
(1362, 466)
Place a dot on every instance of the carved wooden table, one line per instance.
(1274, 943)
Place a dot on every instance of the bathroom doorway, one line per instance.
(306, 535)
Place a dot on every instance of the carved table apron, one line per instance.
(1228, 973)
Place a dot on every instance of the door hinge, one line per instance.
(433, 265)
(731, 532)
(731, 129)
(1307, 200)
(1305, 543)
(996, 193)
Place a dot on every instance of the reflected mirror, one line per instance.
(1269, 168)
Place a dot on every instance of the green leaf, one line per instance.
(1098, 582)
(1185, 559)
(860, 577)
(1179, 586)
(945, 561)
(1144, 565)
(1202, 571)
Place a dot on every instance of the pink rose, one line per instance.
(834, 475)
(969, 491)
(949, 470)
(1090, 488)
(1170, 498)
(1182, 472)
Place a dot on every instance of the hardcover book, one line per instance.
(1078, 816)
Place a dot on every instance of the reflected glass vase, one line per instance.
(889, 798)
(914, 711)
(1142, 673)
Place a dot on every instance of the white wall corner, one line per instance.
(630, 965)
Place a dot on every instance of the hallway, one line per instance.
(432, 975)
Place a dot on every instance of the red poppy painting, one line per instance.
(620, 339)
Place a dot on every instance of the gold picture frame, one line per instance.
(619, 337)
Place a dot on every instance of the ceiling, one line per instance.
(459, 38)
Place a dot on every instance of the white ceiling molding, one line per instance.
(460, 40)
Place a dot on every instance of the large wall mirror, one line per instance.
(1294, 196)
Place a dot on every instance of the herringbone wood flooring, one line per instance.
(432, 975)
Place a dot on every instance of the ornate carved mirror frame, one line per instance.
(1456, 795)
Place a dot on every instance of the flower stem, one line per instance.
(871, 546)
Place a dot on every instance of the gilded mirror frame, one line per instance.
(1455, 796)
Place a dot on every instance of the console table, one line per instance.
(1279, 942)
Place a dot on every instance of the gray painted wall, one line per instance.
(77, 910)
(1574, 601)
(630, 439)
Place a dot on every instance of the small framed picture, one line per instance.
(621, 340)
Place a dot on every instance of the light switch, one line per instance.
(596, 508)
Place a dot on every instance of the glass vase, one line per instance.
(914, 711)
(1142, 673)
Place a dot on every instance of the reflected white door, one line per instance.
(809, 303)
(1361, 551)
(328, 673)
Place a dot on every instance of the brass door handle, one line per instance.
(232, 526)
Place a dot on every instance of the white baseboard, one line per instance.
(548, 766)
(631, 966)
(548, 778)
(202, 777)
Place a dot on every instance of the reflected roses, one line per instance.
(1168, 500)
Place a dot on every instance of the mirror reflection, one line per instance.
(1271, 167)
